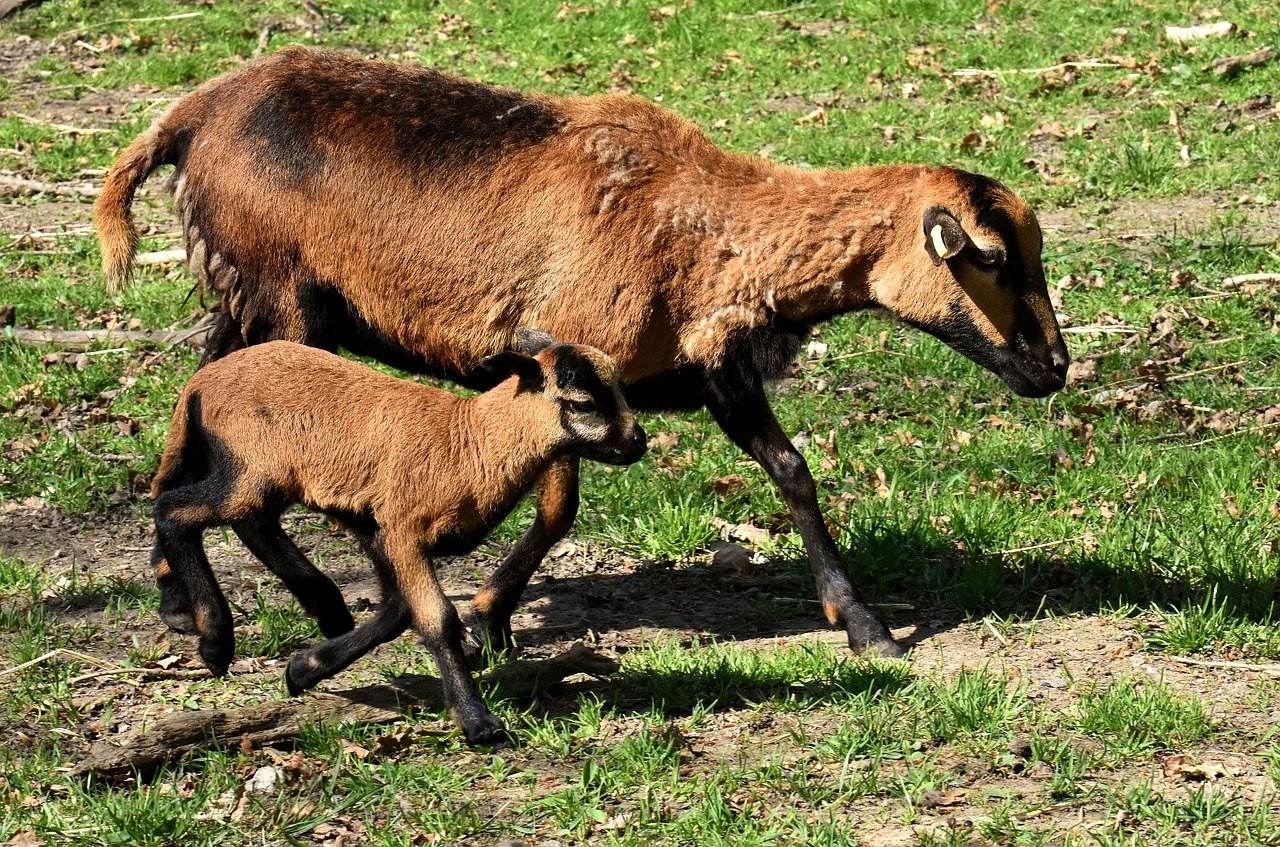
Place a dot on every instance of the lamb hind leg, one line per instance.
(307, 669)
(181, 515)
(175, 605)
(496, 601)
(743, 412)
(317, 594)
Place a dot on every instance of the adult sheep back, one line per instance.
(420, 218)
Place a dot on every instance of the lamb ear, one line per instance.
(533, 341)
(508, 363)
(944, 237)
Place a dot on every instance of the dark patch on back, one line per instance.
(427, 118)
(287, 127)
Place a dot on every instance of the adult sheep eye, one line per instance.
(582, 407)
(990, 258)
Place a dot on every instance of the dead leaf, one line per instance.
(353, 749)
(1178, 766)
(664, 442)
(731, 484)
(742, 532)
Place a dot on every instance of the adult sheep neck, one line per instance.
(421, 219)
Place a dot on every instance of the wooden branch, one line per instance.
(174, 735)
(1087, 63)
(7, 7)
(1231, 65)
(1270, 670)
(21, 185)
(160, 257)
(1236, 280)
(83, 339)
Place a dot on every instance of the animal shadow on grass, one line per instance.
(912, 576)
(920, 582)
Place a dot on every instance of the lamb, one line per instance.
(413, 471)
(420, 218)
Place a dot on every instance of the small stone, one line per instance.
(263, 781)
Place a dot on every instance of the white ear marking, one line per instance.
(939, 245)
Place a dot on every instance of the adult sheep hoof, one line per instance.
(872, 638)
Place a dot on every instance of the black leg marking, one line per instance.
(307, 669)
(181, 516)
(496, 601)
(317, 594)
(175, 606)
(740, 407)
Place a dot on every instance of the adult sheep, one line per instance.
(420, 218)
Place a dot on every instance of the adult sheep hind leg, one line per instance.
(741, 408)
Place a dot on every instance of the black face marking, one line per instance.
(574, 370)
(1014, 363)
(432, 119)
(986, 195)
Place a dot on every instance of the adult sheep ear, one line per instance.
(943, 235)
(534, 341)
(508, 363)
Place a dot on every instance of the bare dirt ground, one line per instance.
(617, 604)
(583, 593)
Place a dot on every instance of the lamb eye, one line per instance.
(582, 407)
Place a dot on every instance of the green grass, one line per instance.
(1145, 492)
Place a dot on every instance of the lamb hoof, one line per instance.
(485, 731)
(304, 673)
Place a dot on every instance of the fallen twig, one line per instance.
(173, 736)
(1228, 65)
(1086, 63)
(1004, 642)
(84, 657)
(154, 673)
(1235, 432)
(83, 339)
(1058, 543)
(1101, 330)
(115, 21)
(65, 428)
(22, 185)
(160, 257)
(1243, 278)
(67, 128)
(1272, 670)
